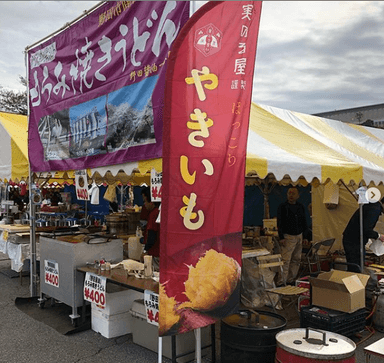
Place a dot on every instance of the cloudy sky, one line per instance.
(313, 56)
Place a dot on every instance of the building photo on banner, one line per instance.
(147, 193)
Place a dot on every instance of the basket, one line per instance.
(331, 320)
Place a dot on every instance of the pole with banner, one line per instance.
(206, 117)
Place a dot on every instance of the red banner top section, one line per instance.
(208, 97)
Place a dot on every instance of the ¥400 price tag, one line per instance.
(151, 302)
(94, 289)
(51, 273)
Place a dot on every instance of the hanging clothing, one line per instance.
(94, 193)
(110, 193)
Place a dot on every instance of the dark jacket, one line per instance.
(371, 214)
(291, 219)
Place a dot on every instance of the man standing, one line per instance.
(351, 234)
(291, 224)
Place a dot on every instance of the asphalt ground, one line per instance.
(23, 339)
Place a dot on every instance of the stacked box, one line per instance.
(115, 319)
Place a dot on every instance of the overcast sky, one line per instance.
(312, 56)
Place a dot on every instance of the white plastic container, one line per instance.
(115, 319)
(111, 326)
(146, 335)
(119, 301)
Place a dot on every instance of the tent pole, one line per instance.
(32, 230)
(361, 239)
(32, 224)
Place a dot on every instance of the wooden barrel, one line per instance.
(117, 223)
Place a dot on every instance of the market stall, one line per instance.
(14, 171)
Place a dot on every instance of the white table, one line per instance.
(17, 252)
(376, 349)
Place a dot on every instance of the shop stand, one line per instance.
(121, 278)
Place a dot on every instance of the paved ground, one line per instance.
(23, 339)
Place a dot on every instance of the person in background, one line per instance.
(351, 234)
(291, 225)
(17, 200)
(152, 241)
(151, 229)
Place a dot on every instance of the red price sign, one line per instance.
(94, 296)
(151, 302)
(82, 194)
(51, 273)
(156, 185)
(156, 193)
(52, 279)
(94, 289)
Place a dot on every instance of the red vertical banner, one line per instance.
(206, 117)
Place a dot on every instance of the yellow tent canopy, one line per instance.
(300, 148)
(14, 147)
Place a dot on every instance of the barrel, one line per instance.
(307, 345)
(250, 336)
(117, 223)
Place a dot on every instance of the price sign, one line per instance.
(151, 302)
(81, 181)
(156, 185)
(94, 289)
(51, 273)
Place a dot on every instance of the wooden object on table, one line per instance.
(14, 228)
(119, 276)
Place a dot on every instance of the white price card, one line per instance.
(81, 182)
(95, 288)
(156, 185)
(51, 273)
(151, 303)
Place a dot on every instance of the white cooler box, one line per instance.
(115, 319)
(147, 335)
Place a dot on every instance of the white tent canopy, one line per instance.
(284, 143)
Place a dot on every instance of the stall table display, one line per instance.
(60, 256)
(119, 276)
(14, 242)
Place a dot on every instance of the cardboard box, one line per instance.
(339, 290)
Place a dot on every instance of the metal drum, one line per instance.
(250, 336)
(117, 223)
(311, 345)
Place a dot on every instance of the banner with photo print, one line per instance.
(96, 89)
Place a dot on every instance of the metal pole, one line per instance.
(160, 350)
(198, 344)
(66, 25)
(361, 239)
(32, 231)
(32, 224)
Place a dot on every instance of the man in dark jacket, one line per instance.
(291, 224)
(351, 234)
